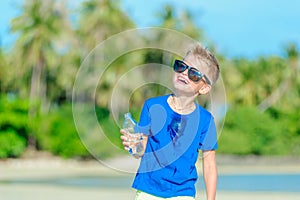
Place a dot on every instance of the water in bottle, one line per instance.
(135, 139)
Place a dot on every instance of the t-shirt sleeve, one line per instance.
(209, 138)
(143, 126)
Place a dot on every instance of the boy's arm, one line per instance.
(210, 173)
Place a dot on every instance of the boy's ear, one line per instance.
(204, 89)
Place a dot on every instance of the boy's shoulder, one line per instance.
(203, 110)
(206, 114)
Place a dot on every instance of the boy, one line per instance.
(175, 128)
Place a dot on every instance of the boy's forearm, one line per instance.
(210, 175)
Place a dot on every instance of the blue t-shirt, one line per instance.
(167, 168)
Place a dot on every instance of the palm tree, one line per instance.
(182, 21)
(3, 71)
(288, 82)
(35, 53)
(98, 20)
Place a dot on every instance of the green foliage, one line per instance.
(108, 148)
(14, 126)
(11, 144)
(248, 131)
(111, 131)
(57, 134)
(14, 115)
(289, 122)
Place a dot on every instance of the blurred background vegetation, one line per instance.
(37, 76)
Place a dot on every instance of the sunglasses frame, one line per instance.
(200, 75)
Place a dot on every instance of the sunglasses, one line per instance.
(193, 74)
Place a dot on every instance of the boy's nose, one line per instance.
(185, 72)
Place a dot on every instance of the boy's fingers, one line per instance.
(125, 144)
(122, 131)
(124, 138)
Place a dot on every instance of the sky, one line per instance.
(238, 28)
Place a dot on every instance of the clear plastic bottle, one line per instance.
(135, 139)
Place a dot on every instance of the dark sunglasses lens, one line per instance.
(194, 75)
(179, 66)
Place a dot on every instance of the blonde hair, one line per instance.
(203, 55)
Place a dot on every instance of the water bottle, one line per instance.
(135, 139)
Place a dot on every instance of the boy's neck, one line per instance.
(182, 104)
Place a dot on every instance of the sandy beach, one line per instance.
(52, 178)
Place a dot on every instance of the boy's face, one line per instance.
(186, 86)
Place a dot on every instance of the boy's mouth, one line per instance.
(182, 80)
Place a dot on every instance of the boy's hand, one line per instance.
(124, 137)
(129, 141)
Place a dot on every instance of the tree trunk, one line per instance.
(37, 97)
